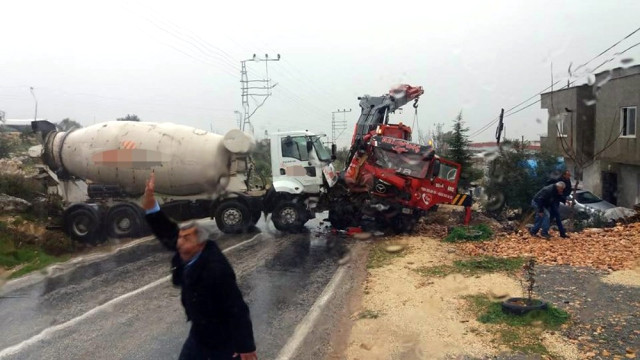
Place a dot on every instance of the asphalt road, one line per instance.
(133, 312)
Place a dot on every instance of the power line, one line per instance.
(494, 121)
(609, 48)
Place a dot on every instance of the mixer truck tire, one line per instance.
(124, 221)
(289, 216)
(233, 217)
(82, 223)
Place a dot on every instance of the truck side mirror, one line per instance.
(309, 146)
(334, 149)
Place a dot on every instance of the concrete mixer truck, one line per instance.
(100, 173)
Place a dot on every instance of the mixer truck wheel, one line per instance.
(233, 217)
(124, 221)
(289, 216)
(82, 224)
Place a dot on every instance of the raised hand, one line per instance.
(149, 200)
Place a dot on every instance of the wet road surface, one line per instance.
(133, 311)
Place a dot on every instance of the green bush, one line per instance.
(21, 187)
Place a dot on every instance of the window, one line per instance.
(628, 122)
(563, 124)
(295, 147)
(587, 198)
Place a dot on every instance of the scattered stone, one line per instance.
(394, 248)
(362, 236)
(11, 203)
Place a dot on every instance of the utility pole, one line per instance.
(338, 125)
(500, 127)
(238, 118)
(35, 117)
(254, 88)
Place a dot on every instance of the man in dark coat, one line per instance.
(554, 211)
(542, 202)
(220, 323)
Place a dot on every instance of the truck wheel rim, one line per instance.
(81, 226)
(288, 215)
(123, 225)
(232, 216)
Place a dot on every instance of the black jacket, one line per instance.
(546, 196)
(210, 294)
(567, 188)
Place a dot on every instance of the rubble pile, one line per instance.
(11, 167)
(614, 248)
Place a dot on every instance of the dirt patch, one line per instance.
(418, 317)
(623, 277)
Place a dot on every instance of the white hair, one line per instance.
(201, 231)
(561, 185)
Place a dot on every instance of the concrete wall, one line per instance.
(615, 94)
(628, 185)
(591, 179)
(578, 115)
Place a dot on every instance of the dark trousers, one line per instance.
(191, 350)
(555, 213)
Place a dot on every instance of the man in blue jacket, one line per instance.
(554, 211)
(542, 203)
(220, 323)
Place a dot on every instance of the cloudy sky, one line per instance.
(180, 61)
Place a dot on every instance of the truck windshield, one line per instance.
(406, 164)
(323, 153)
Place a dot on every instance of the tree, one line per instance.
(340, 163)
(132, 117)
(262, 161)
(67, 124)
(5, 146)
(516, 175)
(458, 151)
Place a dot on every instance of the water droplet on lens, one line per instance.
(626, 61)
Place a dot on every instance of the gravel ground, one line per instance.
(605, 317)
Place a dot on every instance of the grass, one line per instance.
(379, 257)
(23, 259)
(27, 259)
(369, 314)
(521, 333)
(472, 233)
(473, 266)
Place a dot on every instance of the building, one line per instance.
(595, 128)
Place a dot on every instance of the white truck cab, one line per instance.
(302, 172)
(301, 163)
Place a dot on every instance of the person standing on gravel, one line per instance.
(220, 323)
(542, 203)
(554, 211)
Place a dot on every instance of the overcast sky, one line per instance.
(180, 61)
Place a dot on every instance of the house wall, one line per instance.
(628, 185)
(578, 113)
(614, 95)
